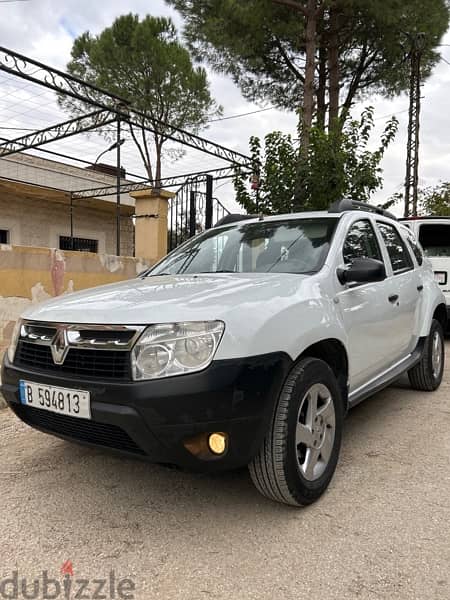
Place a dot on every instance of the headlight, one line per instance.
(14, 340)
(175, 348)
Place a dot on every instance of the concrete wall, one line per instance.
(31, 275)
(40, 222)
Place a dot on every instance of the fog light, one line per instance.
(217, 443)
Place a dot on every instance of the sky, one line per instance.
(45, 29)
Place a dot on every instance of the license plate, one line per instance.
(440, 277)
(74, 403)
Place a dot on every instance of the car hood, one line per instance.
(172, 298)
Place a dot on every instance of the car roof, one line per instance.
(339, 207)
(318, 214)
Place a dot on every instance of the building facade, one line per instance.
(36, 209)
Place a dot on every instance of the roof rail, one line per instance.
(427, 217)
(344, 205)
(234, 218)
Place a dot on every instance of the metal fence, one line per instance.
(193, 210)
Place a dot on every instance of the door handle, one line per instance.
(393, 299)
(420, 288)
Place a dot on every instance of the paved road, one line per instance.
(381, 532)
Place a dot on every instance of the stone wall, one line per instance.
(30, 275)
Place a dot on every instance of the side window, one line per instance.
(398, 253)
(361, 242)
(415, 247)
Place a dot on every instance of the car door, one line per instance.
(367, 314)
(405, 286)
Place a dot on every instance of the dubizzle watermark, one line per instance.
(68, 587)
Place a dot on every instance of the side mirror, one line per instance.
(362, 270)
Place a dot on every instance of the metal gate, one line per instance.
(193, 210)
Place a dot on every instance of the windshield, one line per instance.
(291, 246)
(435, 239)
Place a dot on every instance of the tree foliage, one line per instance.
(261, 44)
(338, 165)
(435, 201)
(274, 170)
(144, 63)
(317, 57)
(432, 200)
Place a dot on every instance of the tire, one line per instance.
(427, 375)
(284, 470)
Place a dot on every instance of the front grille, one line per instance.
(82, 430)
(105, 364)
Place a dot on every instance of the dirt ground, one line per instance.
(382, 531)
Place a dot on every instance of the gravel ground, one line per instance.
(381, 532)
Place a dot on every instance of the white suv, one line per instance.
(244, 346)
(433, 234)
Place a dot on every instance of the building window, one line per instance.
(4, 236)
(78, 244)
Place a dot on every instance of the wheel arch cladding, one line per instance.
(333, 352)
(440, 314)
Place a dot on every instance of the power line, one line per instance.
(253, 112)
(399, 112)
(15, 128)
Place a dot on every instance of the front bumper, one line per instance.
(155, 419)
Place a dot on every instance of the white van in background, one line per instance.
(433, 234)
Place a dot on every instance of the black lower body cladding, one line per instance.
(154, 419)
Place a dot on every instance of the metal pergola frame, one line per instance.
(106, 109)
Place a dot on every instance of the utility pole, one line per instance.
(118, 182)
(416, 43)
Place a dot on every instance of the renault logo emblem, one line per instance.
(60, 346)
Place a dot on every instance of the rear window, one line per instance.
(435, 239)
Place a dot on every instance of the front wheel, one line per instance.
(299, 454)
(427, 375)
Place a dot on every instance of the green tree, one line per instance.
(432, 200)
(317, 57)
(435, 201)
(274, 176)
(144, 63)
(338, 165)
(354, 47)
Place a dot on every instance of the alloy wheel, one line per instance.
(436, 354)
(315, 432)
